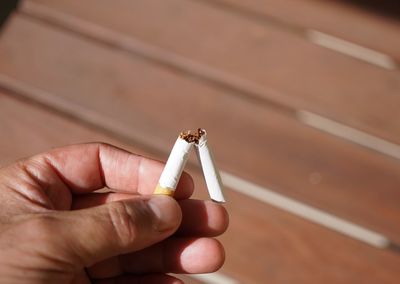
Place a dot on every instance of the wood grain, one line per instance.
(262, 243)
(249, 140)
(355, 22)
(282, 67)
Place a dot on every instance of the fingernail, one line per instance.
(167, 213)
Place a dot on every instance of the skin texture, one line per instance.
(55, 229)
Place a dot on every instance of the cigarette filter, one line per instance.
(210, 172)
(173, 168)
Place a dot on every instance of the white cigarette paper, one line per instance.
(210, 171)
(177, 159)
(174, 167)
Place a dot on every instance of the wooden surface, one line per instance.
(66, 80)
(356, 21)
(101, 80)
(281, 66)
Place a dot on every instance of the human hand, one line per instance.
(55, 229)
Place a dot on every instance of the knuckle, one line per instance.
(42, 225)
(126, 221)
(41, 228)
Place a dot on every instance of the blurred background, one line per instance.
(301, 100)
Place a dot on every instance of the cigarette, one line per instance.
(174, 167)
(210, 172)
(177, 159)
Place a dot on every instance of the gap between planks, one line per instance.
(238, 86)
(351, 49)
(334, 43)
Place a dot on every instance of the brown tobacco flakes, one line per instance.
(190, 137)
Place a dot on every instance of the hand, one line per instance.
(55, 229)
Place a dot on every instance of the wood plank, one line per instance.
(262, 243)
(355, 22)
(271, 62)
(152, 104)
(310, 255)
(26, 131)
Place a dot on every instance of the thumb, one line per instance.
(115, 228)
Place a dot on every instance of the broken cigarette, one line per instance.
(174, 167)
(177, 159)
(210, 172)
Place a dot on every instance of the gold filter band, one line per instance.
(164, 190)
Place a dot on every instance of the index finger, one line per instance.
(88, 167)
